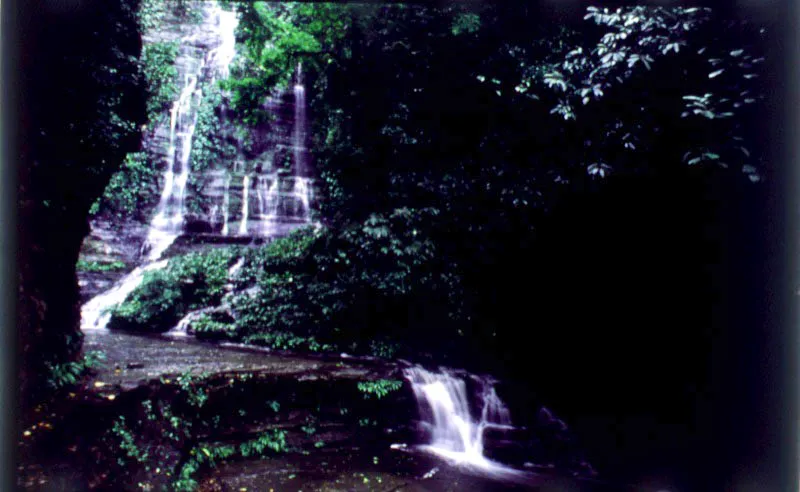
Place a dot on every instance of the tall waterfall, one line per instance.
(168, 221)
(299, 133)
(167, 224)
(455, 433)
(205, 56)
(288, 199)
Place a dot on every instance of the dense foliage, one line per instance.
(131, 191)
(362, 289)
(187, 283)
(437, 172)
(528, 114)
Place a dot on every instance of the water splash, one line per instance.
(454, 434)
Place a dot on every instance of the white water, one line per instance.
(93, 313)
(182, 328)
(236, 267)
(456, 434)
(226, 202)
(245, 205)
(303, 192)
(299, 133)
(271, 201)
(167, 224)
(168, 221)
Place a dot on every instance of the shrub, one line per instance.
(381, 278)
(187, 283)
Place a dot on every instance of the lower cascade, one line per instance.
(95, 315)
(456, 433)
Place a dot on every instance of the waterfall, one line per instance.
(282, 199)
(233, 270)
(182, 328)
(168, 220)
(271, 202)
(445, 412)
(94, 315)
(226, 202)
(245, 206)
(299, 133)
(303, 193)
(167, 224)
(261, 190)
(205, 56)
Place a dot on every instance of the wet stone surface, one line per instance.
(387, 469)
(132, 360)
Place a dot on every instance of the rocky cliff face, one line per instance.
(242, 183)
(262, 190)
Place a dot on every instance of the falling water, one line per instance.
(94, 315)
(226, 202)
(261, 190)
(271, 202)
(245, 205)
(303, 193)
(182, 328)
(444, 408)
(236, 267)
(168, 221)
(219, 26)
(167, 224)
(299, 134)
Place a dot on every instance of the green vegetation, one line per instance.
(379, 388)
(127, 443)
(158, 67)
(68, 374)
(131, 191)
(187, 283)
(207, 456)
(96, 266)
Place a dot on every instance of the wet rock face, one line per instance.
(114, 248)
